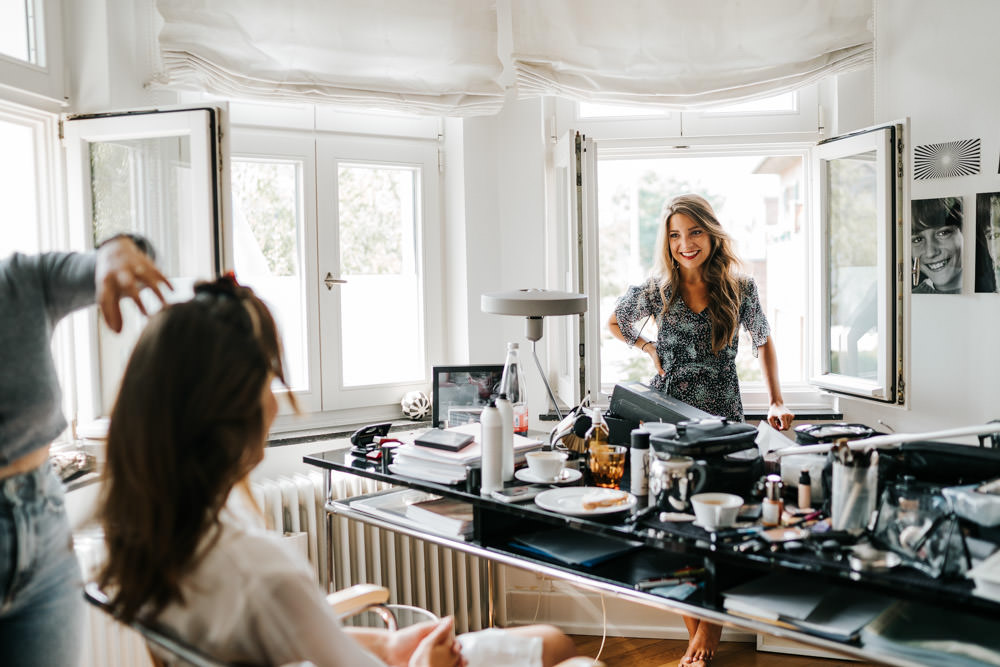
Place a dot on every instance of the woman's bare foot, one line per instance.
(702, 645)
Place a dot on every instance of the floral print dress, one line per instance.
(694, 374)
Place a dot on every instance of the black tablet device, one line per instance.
(459, 393)
(437, 438)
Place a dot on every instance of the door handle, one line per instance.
(330, 281)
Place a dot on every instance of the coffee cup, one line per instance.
(546, 465)
(716, 510)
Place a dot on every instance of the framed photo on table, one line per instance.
(459, 393)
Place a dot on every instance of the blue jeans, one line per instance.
(41, 601)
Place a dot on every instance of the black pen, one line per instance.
(735, 532)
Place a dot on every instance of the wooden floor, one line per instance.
(625, 652)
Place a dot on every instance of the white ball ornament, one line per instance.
(415, 405)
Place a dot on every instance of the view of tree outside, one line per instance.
(853, 278)
(267, 192)
(267, 221)
(371, 237)
(379, 230)
(631, 196)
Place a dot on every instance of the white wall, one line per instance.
(937, 63)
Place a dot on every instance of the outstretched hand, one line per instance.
(780, 417)
(123, 271)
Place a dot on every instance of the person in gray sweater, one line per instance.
(41, 613)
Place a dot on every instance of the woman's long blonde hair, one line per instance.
(719, 271)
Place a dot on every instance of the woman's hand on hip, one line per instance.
(651, 351)
(780, 417)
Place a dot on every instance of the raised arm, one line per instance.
(123, 271)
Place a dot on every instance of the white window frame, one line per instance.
(41, 85)
(390, 151)
(887, 141)
(256, 144)
(210, 204)
(798, 395)
(682, 133)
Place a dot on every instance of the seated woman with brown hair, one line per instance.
(186, 543)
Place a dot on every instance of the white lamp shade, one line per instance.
(534, 303)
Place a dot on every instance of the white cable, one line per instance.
(604, 629)
(538, 600)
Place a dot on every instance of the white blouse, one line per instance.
(253, 599)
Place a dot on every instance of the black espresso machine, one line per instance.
(726, 450)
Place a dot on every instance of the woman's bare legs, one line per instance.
(704, 639)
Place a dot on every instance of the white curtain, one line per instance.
(425, 56)
(440, 56)
(685, 53)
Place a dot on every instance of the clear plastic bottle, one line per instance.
(507, 440)
(512, 384)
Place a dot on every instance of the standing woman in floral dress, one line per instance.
(699, 302)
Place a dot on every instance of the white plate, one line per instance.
(569, 500)
(565, 477)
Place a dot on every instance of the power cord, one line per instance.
(604, 629)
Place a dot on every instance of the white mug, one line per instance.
(547, 465)
(716, 510)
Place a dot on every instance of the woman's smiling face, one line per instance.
(690, 244)
(939, 250)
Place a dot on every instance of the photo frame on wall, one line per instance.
(988, 242)
(936, 243)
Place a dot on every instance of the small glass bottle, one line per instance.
(772, 506)
(597, 436)
(805, 489)
(512, 384)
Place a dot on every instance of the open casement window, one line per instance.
(572, 267)
(161, 174)
(859, 286)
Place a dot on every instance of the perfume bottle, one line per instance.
(772, 507)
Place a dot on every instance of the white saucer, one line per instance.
(565, 477)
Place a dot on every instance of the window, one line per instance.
(862, 266)
(154, 173)
(752, 193)
(19, 31)
(311, 209)
(30, 51)
(18, 186)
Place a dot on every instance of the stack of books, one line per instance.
(444, 466)
(420, 510)
(809, 603)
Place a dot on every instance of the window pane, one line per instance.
(783, 102)
(382, 328)
(17, 30)
(268, 224)
(758, 200)
(853, 266)
(18, 189)
(594, 110)
(145, 186)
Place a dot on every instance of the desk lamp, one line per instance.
(535, 304)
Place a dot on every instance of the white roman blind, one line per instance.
(431, 56)
(682, 53)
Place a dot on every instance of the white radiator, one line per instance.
(419, 573)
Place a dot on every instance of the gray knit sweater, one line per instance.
(36, 291)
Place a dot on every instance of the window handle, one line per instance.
(330, 281)
(915, 274)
